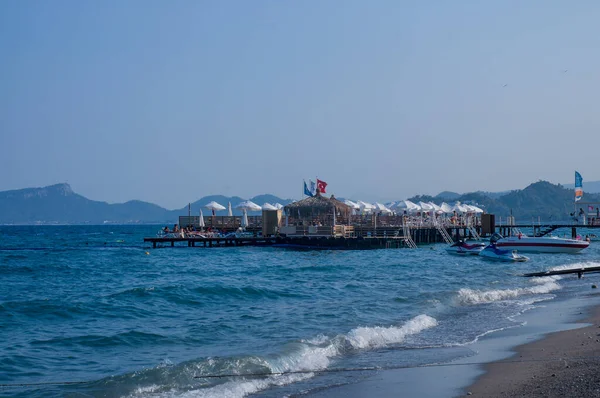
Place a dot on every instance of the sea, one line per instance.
(93, 311)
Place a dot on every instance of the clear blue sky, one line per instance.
(170, 101)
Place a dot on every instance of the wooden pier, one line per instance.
(578, 271)
(212, 241)
(322, 238)
(298, 242)
(360, 237)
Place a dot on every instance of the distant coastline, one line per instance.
(59, 205)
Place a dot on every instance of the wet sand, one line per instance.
(562, 364)
(556, 353)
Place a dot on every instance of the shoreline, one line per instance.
(503, 363)
(561, 363)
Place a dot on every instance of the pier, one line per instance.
(320, 222)
(352, 237)
(578, 271)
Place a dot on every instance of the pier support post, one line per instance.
(574, 232)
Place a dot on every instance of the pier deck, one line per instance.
(364, 237)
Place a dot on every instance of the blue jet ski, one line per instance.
(492, 252)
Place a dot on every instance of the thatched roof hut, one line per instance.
(318, 205)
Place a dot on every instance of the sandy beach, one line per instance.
(555, 353)
(563, 364)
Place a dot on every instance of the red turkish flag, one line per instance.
(321, 185)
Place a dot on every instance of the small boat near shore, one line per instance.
(462, 247)
(493, 252)
(528, 244)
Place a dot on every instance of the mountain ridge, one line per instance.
(59, 204)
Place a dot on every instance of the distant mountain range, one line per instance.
(549, 202)
(58, 204)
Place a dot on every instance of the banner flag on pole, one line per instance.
(312, 187)
(306, 190)
(321, 185)
(578, 186)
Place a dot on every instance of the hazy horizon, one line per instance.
(170, 102)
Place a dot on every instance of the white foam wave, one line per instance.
(366, 337)
(307, 355)
(470, 296)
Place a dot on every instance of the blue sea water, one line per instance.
(93, 311)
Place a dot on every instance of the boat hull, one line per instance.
(542, 245)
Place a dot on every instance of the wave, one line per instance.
(310, 356)
(381, 337)
(470, 296)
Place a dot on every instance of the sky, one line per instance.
(167, 102)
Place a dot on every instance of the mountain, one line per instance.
(268, 198)
(446, 196)
(58, 204)
(549, 202)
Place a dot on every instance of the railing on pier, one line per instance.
(220, 222)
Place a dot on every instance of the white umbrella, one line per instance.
(214, 206)
(409, 206)
(426, 206)
(459, 208)
(446, 208)
(245, 218)
(469, 208)
(249, 205)
(201, 221)
(366, 207)
(436, 208)
(381, 208)
(350, 203)
(477, 209)
(229, 212)
(278, 206)
(268, 206)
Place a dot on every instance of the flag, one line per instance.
(321, 185)
(578, 186)
(312, 187)
(306, 190)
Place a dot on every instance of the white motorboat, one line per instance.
(462, 247)
(528, 244)
(494, 253)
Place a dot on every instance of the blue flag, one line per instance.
(306, 190)
(578, 186)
